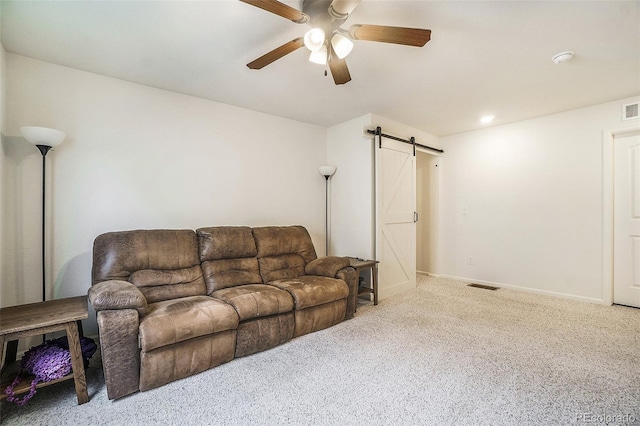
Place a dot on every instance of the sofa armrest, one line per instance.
(119, 305)
(350, 276)
(115, 294)
(326, 266)
(337, 267)
(119, 349)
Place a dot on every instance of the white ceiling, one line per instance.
(484, 57)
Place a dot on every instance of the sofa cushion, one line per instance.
(163, 263)
(256, 300)
(177, 320)
(226, 242)
(219, 274)
(277, 240)
(264, 333)
(116, 255)
(319, 317)
(280, 267)
(308, 290)
(172, 362)
(157, 285)
(228, 257)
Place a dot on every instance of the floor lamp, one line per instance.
(44, 139)
(327, 172)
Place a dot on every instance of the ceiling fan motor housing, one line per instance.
(322, 15)
(318, 11)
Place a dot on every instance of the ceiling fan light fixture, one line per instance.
(340, 9)
(341, 45)
(319, 56)
(314, 39)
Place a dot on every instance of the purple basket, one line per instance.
(48, 361)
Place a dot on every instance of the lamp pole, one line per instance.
(44, 149)
(326, 214)
(44, 139)
(327, 172)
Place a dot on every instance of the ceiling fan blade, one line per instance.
(339, 69)
(408, 36)
(280, 9)
(276, 53)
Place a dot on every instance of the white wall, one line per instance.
(351, 188)
(139, 157)
(533, 192)
(353, 185)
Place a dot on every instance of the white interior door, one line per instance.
(396, 229)
(626, 234)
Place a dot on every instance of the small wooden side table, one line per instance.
(46, 317)
(359, 264)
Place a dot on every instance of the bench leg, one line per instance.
(11, 352)
(77, 363)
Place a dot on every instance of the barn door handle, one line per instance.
(415, 217)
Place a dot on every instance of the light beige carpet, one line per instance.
(442, 354)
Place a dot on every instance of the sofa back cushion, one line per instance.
(163, 263)
(283, 251)
(228, 256)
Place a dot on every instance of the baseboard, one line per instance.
(383, 293)
(527, 289)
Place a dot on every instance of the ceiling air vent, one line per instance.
(630, 111)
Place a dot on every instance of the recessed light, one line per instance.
(562, 57)
(487, 119)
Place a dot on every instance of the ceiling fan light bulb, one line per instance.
(319, 56)
(314, 39)
(341, 45)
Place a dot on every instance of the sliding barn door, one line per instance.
(396, 227)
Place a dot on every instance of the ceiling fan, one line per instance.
(327, 41)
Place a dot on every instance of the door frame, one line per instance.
(608, 207)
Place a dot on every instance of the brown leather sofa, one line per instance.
(172, 303)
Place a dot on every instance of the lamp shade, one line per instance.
(42, 135)
(341, 45)
(319, 56)
(327, 171)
